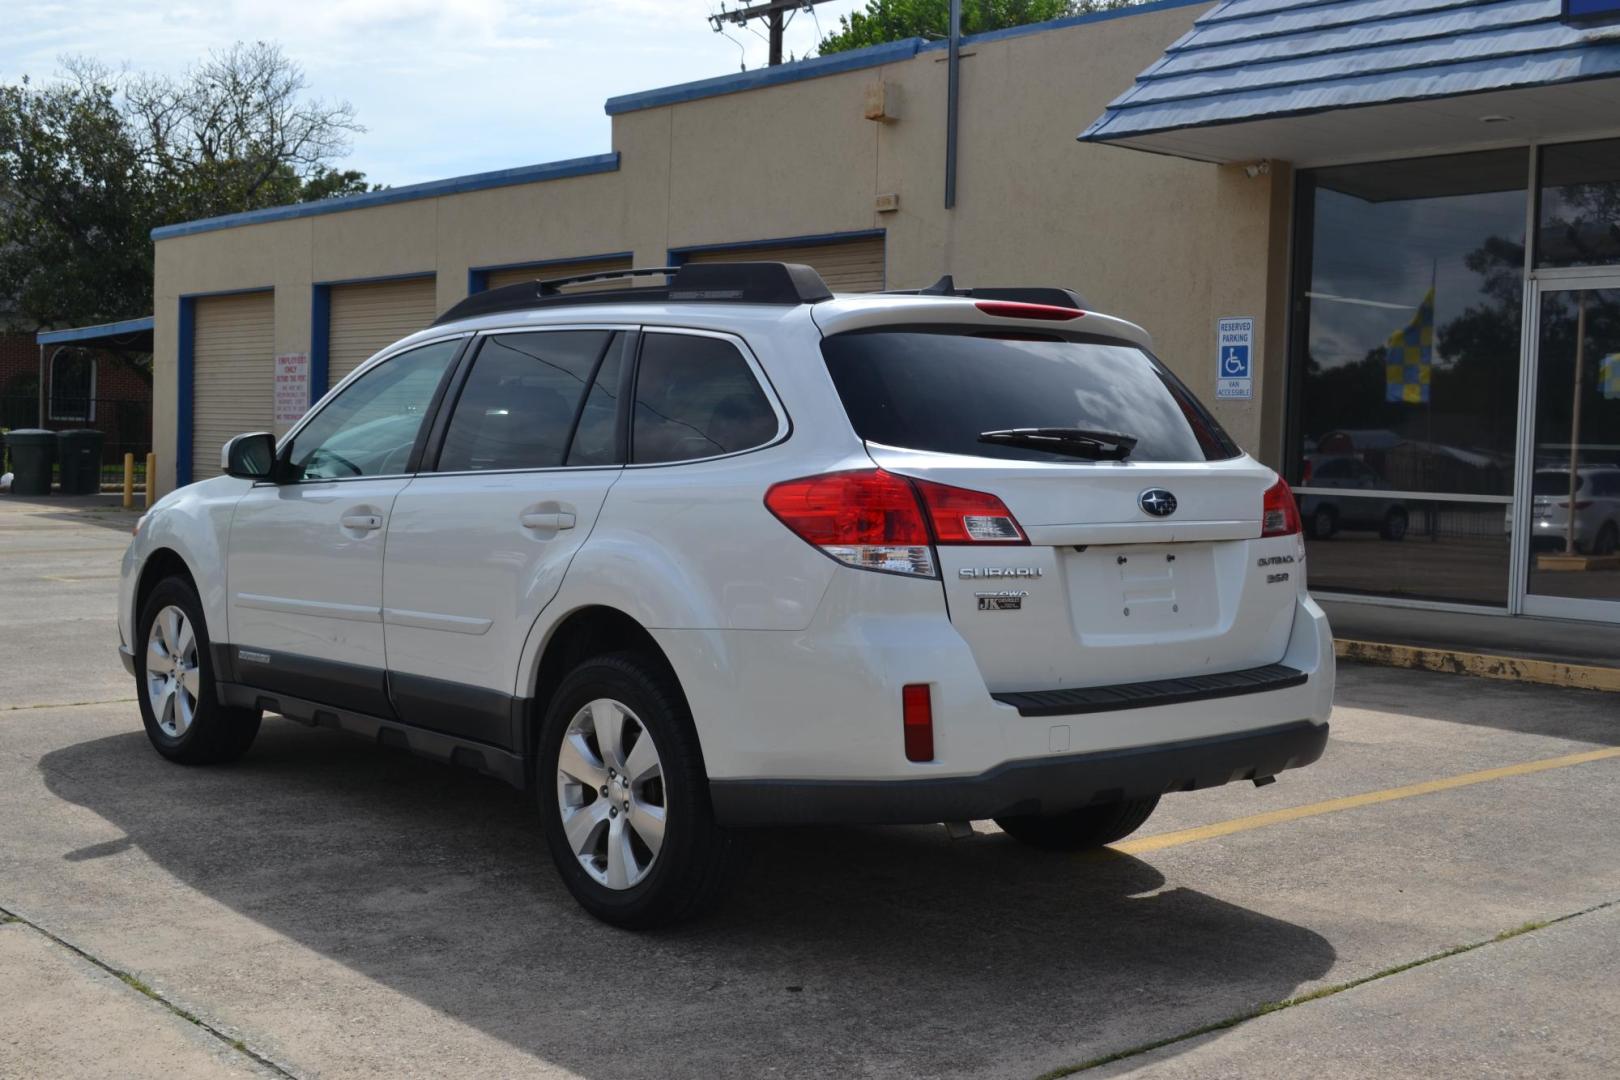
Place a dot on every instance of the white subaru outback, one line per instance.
(733, 551)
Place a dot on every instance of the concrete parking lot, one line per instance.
(1440, 896)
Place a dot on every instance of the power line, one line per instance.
(775, 13)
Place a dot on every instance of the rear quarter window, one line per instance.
(696, 397)
(939, 389)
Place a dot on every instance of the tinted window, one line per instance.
(1579, 223)
(594, 442)
(696, 397)
(369, 428)
(1408, 352)
(519, 402)
(939, 390)
(1555, 483)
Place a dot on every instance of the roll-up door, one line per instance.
(497, 278)
(847, 266)
(367, 318)
(233, 374)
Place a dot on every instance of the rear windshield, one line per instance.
(1554, 483)
(928, 389)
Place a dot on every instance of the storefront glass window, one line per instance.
(1579, 218)
(1406, 362)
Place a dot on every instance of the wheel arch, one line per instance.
(161, 563)
(591, 630)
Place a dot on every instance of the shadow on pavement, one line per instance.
(1529, 708)
(845, 951)
(101, 511)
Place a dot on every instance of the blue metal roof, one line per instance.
(1248, 60)
(523, 174)
(93, 333)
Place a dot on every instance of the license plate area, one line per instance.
(1142, 591)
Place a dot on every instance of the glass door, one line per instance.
(1569, 503)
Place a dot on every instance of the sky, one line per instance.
(444, 87)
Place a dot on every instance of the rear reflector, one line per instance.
(917, 711)
(961, 516)
(1007, 309)
(1279, 513)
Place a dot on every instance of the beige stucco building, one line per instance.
(1342, 172)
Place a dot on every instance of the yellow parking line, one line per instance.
(1351, 802)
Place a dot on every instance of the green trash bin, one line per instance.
(79, 453)
(33, 451)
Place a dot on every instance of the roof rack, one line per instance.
(738, 282)
(1030, 294)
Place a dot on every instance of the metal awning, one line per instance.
(130, 335)
(1318, 81)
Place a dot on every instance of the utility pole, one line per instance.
(775, 14)
(953, 90)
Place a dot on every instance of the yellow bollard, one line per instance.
(129, 481)
(151, 477)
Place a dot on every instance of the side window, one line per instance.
(369, 429)
(695, 398)
(519, 402)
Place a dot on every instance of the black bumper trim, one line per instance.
(1143, 695)
(1031, 786)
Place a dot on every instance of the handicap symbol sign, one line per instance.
(1235, 362)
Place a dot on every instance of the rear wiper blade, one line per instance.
(1079, 442)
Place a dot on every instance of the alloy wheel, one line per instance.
(173, 671)
(610, 792)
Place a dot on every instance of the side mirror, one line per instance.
(249, 457)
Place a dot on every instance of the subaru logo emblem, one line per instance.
(1157, 501)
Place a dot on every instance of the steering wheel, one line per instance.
(322, 455)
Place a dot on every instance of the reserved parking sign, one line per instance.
(1234, 358)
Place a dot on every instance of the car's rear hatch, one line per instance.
(1105, 591)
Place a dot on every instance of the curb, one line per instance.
(1482, 665)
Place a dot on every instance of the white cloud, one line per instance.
(443, 86)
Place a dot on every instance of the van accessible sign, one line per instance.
(1234, 358)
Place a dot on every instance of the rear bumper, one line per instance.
(1032, 786)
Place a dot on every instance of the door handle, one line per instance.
(561, 519)
(361, 522)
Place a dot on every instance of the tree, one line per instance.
(893, 20)
(92, 162)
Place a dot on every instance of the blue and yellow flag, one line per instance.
(1409, 357)
(1609, 376)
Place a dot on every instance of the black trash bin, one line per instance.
(33, 451)
(79, 453)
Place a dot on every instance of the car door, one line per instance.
(305, 559)
(478, 544)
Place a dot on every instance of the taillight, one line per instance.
(917, 721)
(866, 518)
(1009, 309)
(961, 516)
(875, 520)
(1279, 514)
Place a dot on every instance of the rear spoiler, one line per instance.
(1026, 294)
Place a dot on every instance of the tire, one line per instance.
(1324, 523)
(1395, 524)
(607, 858)
(1608, 540)
(1078, 830)
(183, 717)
